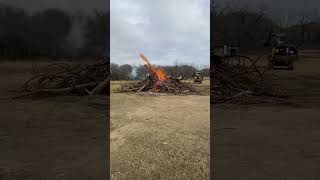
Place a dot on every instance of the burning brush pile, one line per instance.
(239, 79)
(158, 81)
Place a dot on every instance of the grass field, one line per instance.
(268, 141)
(160, 137)
(49, 138)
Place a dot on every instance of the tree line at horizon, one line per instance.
(129, 72)
(252, 29)
(52, 33)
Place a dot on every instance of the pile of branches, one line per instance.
(239, 78)
(81, 79)
(152, 84)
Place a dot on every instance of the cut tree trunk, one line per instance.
(101, 87)
(66, 90)
(144, 86)
(58, 91)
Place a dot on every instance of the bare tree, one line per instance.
(306, 16)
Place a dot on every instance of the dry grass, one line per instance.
(51, 138)
(161, 137)
(272, 141)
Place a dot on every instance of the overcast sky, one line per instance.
(163, 30)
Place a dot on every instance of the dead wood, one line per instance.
(76, 79)
(101, 87)
(144, 86)
(66, 90)
(239, 77)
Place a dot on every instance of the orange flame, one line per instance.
(159, 72)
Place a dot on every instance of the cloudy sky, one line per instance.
(164, 31)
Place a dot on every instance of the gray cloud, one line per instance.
(164, 30)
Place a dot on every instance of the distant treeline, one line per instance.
(128, 72)
(52, 33)
(251, 30)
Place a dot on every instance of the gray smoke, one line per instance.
(77, 9)
(76, 40)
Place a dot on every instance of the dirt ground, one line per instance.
(272, 141)
(160, 137)
(51, 138)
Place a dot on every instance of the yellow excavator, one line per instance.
(282, 55)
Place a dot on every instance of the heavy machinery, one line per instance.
(198, 78)
(282, 55)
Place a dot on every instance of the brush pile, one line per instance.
(64, 78)
(152, 84)
(158, 81)
(238, 78)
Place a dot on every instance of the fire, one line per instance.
(159, 72)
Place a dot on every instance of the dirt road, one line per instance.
(272, 141)
(51, 138)
(160, 137)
